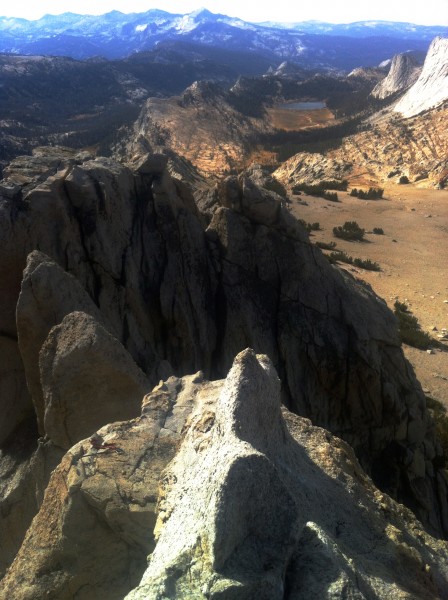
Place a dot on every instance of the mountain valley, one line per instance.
(47, 100)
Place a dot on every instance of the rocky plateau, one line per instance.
(201, 125)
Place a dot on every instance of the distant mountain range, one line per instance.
(310, 44)
(363, 29)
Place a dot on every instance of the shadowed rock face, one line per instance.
(87, 378)
(126, 252)
(47, 295)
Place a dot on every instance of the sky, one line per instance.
(427, 12)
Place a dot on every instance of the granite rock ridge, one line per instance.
(257, 502)
(109, 272)
(230, 495)
(379, 153)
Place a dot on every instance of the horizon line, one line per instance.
(203, 9)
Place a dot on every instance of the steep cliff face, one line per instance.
(404, 71)
(431, 88)
(108, 275)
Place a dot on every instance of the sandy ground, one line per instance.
(292, 120)
(412, 254)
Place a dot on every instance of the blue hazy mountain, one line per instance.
(310, 44)
(365, 29)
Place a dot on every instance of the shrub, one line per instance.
(409, 328)
(367, 264)
(349, 231)
(378, 231)
(341, 256)
(315, 190)
(326, 246)
(401, 306)
(334, 184)
(310, 226)
(332, 196)
(371, 194)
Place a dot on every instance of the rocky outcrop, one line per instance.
(84, 370)
(203, 125)
(47, 295)
(287, 69)
(232, 496)
(94, 530)
(404, 72)
(388, 148)
(309, 168)
(370, 74)
(257, 504)
(127, 273)
(431, 88)
(221, 131)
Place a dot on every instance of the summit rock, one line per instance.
(231, 495)
(404, 72)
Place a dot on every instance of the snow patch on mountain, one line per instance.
(240, 24)
(431, 88)
(186, 24)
